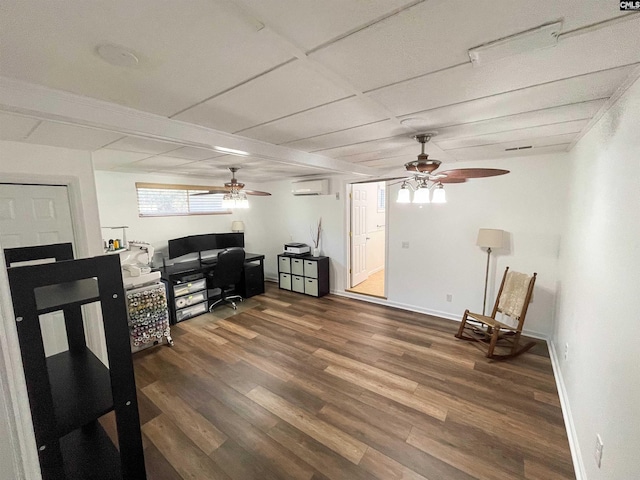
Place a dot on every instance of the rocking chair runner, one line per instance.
(513, 300)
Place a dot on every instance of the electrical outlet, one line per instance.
(449, 297)
(598, 452)
(405, 244)
(566, 351)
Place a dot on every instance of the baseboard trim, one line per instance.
(572, 435)
(426, 311)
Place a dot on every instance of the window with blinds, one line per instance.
(160, 200)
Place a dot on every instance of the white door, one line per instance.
(38, 215)
(359, 271)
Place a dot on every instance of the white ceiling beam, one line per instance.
(43, 103)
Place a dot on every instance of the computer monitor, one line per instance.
(179, 247)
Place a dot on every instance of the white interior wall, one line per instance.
(25, 163)
(284, 218)
(598, 302)
(443, 258)
(117, 201)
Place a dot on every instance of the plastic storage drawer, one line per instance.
(188, 300)
(190, 287)
(192, 311)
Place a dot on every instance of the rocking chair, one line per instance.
(490, 334)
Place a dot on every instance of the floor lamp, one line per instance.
(488, 238)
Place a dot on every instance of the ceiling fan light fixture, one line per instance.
(421, 195)
(439, 196)
(235, 199)
(404, 195)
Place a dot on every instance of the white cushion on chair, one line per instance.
(513, 294)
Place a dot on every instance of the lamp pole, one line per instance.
(486, 281)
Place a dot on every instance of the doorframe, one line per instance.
(347, 248)
(13, 386)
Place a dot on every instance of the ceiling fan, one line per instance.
(422, 174)
(235, 195)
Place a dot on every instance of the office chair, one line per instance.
(227, 274)
(491, 334)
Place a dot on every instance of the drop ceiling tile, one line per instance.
(548, 116)
(556, 143)
(408, 153)
(599, 85)
(372, 146)
(15, 127)
(184, 53)
(437, 34)
(105, 159)
(310, 23)
(333, 117)
(284, 91)
(373, 131)
(70, 136)
(595, 51)
(161, 162)
(193, 153)
(519, 135)
(143, 145)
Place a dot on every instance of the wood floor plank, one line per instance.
(331, 437)
(386, 468)
(185, 457)
(487, 467)
(193, 424)
(428, 352)
(254, 440)
(320, 457)
(423, 405)
(294, 387)
(240, 464)
(389, 379)
(237, 329)
(395, 449)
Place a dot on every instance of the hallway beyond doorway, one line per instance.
(373, 286)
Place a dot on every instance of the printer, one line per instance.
(296, 249)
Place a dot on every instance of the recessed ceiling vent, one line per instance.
(517, 148)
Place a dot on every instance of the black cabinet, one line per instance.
(186, 284)
(252, 280)
(308, 275)
(70, 391)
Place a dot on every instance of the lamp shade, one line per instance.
(490, 238)
(439, 196)
(421, 195)
(237, 226)
(404, 196)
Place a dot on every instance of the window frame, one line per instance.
(176, 186)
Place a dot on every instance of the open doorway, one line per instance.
(367, 238)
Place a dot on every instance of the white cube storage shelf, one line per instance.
(308, 275)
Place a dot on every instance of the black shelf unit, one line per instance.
(69, 392)
(304, 274)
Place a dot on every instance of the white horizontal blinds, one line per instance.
(156, 200)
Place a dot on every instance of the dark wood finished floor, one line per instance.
(293, 387)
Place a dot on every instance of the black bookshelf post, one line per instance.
(70, 391)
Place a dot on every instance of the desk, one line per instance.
(186, 284)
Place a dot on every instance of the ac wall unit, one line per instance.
(311, 187)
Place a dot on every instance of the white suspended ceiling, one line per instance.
(305, 87)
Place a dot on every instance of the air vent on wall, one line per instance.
(311, 187)
(517, 148)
